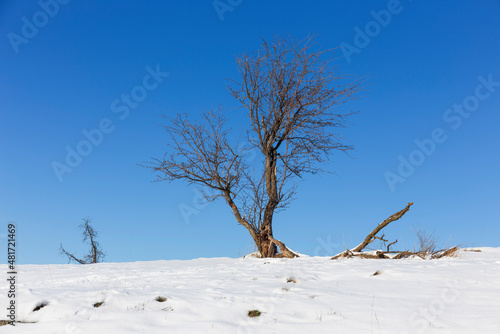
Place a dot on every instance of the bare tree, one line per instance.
(95, 254)
(290, 94)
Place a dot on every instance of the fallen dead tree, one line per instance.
(448, 252)
(424, 252)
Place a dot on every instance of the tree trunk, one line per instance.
(263, 236)
(267, 247)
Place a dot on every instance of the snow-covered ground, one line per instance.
(304, 295)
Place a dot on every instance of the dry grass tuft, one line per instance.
(450, 252)
(40, 305)
(254, 313)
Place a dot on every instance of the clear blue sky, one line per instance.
(68, 75)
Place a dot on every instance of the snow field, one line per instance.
(303, 295)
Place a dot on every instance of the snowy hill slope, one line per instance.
(304, 295)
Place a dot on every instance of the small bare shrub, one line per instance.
(95, 254)
(427, 242)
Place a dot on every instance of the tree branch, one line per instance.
(370, 237)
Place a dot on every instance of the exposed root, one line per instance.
(285, 252)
